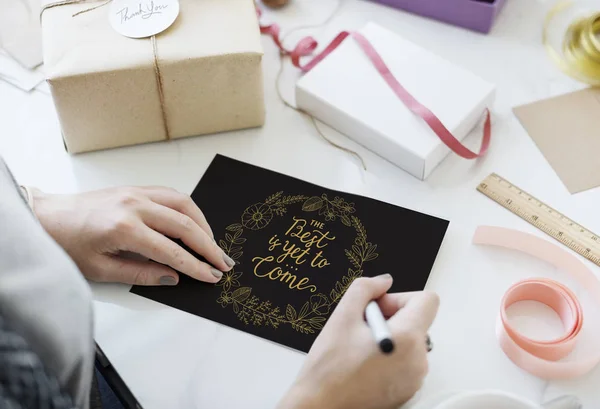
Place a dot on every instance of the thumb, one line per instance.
(137, 272)
(364, 290)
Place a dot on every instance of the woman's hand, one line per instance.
(345, 368)
(97, 228)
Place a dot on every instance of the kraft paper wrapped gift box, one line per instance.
(346, 92)
(105, 87)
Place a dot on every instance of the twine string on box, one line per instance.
(92, 8)
(155, 60)
(159, 84)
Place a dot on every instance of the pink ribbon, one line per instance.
(544, 358)
(556, 296)
(308, 45)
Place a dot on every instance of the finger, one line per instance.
(390, 304)
(157, 247)
(121, 270)
(418, 313)
(180, 226)
(180, 202)
(362, 291)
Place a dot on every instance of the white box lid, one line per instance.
(348, 81)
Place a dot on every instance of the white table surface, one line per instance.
(175, 360)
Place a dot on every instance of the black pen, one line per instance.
(381, 331)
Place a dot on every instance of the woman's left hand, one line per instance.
(97, 228)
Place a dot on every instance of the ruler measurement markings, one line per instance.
(542, 216)
(550, 230)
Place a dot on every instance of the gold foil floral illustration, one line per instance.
(310, 316)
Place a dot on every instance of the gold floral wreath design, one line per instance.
(249, 308)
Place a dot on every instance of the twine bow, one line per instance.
(157, 74)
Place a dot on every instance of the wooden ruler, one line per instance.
(542, 216)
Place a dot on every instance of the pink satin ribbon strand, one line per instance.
(308, 45)
(556, 296)
(542, 358)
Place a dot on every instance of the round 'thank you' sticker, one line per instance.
(142, 18)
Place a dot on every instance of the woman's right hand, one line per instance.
(345, 368)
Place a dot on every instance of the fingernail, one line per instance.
(228, 260)
(216, 273)
(168, 280)
(386, 276)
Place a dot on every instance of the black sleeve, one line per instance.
(24, 382)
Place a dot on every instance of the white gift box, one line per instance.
(346, 92)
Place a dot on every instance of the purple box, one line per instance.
(471, 14)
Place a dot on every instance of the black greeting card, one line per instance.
(298, 247)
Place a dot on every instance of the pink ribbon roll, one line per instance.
(554, 295)
(541, 358)
(308, 45)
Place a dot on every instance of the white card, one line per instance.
(43, 88)
(20, 32)
(27, 48)
(142, 18)
(14, 73)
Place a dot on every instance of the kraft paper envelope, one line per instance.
(566, 129)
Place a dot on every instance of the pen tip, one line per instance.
(386, 345)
